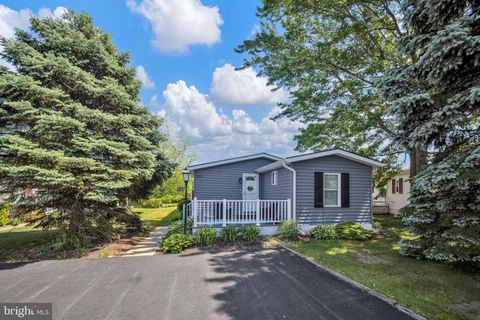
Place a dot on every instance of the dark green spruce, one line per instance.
(436, 99)
(72, 128)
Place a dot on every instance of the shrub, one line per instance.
(176, 243)
(177, 216)
(148, 203)
(176, 198)
(250, 233)
(206, 236)
(323, 233)
(177, 227)
(14, 221)
(181, 203)
(4, 213)
(289, 229)
(352, 231)
(32, 217)
(157, 202)
(230, 233)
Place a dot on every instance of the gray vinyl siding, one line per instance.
(281, 191)
(222, 182)
(360, 191)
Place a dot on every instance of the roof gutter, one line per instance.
(294, 200)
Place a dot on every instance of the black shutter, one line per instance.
(400, 185)
(318, 192)
(345, 190)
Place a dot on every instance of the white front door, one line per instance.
(250, 186)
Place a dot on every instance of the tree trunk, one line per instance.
(418, 161)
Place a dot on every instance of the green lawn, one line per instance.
(28, 244)
(157, 217)
(25, 243)
(431, 289)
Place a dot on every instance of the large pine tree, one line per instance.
(73, 129)
(436, 99)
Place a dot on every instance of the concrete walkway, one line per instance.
(150, 245)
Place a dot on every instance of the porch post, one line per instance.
(289, 209)
(194, 212)
(258, 212)
(224, 209)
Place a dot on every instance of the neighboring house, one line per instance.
(325, 187)
(398, 191)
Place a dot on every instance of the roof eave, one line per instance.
(272, 166)
(341, 153)
(233, 160)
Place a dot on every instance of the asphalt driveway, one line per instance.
(269, 284)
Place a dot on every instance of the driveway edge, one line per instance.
(358, 285)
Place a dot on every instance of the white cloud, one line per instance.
(177, 24)
(194, 112)
(58, 12)
(256, 29)
(243, 87)
(144, 78)
(11, 19)
(243, 123)
(217, 135)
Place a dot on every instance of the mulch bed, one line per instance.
(117, 248)
(239, 245)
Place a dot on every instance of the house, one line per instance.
(397, 192)
(325, 187)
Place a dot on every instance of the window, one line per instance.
(331, 189)
(274, 177)
(397, 186)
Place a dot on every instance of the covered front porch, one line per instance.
(220, 213)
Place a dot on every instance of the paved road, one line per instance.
(269, 284)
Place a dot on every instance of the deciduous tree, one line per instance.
(328, 53)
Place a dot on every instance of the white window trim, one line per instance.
(339, 190)
(397, 186)
(274, 178)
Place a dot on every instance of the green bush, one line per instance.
(180, 204)
(230, 233)
(14, 221)
(176, 198)
(321, 232)
(157, 202)
(177, 227)
(250, 233)
(4, 213)
(176, 243)
(289, 229)
(352, 231)
(148, 203)
(206, 236)
(177, 216)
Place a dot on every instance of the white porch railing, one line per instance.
(224, 212)
(187, 209)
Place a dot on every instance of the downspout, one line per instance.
(294, 200)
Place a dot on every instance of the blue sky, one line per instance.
(184, 53)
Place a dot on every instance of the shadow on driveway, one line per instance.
(276, 284)
(264, 284)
